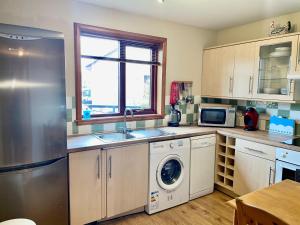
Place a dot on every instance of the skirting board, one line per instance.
(201, 193)
(138, 210)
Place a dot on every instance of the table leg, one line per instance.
(235, 218)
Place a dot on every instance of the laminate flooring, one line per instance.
(208, 210)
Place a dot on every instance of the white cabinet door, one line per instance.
(202, 170)
(209, 73)
(217, 73)
(252, 173)
(243, 70)
(85, 187)
(127, 178)
(272, 65)
(225, 67)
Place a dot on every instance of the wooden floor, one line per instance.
(208, 210)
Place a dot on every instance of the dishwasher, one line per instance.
(202, 165)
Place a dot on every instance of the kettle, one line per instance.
(175, 117)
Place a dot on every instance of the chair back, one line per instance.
(250, 215)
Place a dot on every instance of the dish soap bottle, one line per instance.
(87, 113)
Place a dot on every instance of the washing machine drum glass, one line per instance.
(170, 173)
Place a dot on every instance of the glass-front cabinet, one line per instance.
(276, 58)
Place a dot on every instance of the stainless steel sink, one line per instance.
(135, 134)
(115, 137)
(148, 133)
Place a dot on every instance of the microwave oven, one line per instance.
(216, 115)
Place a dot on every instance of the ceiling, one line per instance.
(209, 14)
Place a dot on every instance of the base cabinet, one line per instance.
(127, 178)
(254, 166)
(252, 173)
(108, 182)
(86, 187)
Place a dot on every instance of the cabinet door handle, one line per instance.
(254, 150)
(250, 85)
(231, 85)
(273, 175)
(110, 162)
(270, 173)
(98, 167)
(249, 88)
(291, 87)
(252, 82)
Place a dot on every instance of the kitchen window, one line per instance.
(116, 70)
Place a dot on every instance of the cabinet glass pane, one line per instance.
(274, 65)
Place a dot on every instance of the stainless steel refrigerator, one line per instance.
(33, 155)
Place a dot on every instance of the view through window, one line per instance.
(104, 62)
(116, 72)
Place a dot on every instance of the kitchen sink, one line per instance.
(148, 133)
(115, 137)
(135, 134)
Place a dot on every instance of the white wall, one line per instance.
(255, 30)
(185, 43)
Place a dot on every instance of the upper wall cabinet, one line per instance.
(217, 77)
(275, 59)
(243, 70)
(209, 73)
(254, 70)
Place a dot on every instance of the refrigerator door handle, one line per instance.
(29, 166)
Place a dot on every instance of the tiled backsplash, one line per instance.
(265, 110)
(189, 116)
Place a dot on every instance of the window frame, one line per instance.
(147, 114)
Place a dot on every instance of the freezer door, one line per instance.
(32, 97)
(39, 194)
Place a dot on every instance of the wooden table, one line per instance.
(281, 199)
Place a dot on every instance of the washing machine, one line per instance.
(168, 174)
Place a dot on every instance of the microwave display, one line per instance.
(213, 116)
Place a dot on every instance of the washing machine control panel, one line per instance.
(173, 145)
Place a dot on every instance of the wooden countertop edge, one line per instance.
(232, 203)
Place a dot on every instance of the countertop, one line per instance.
(87, 142)
(90, 141)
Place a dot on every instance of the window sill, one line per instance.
(115, 119)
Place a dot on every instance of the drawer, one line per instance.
(256, 149)
(203, 141)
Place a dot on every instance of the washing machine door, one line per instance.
(170, 173)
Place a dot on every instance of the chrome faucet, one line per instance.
(125, 130)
